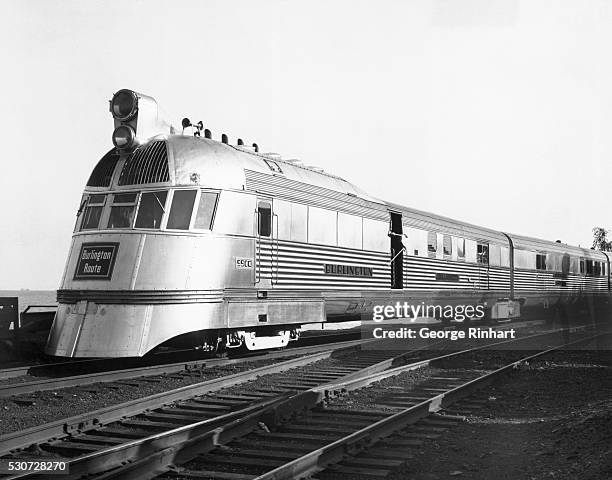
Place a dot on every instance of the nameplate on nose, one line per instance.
(96, 261)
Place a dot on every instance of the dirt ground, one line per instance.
(549, 420)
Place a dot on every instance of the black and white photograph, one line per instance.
(290, 239)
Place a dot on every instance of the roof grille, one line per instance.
(148, 164)
(103, 173)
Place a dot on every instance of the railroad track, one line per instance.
(184, 368)
(160, 411)
(116, 371)
(52, 368)
(192, 426)
(338, 443)
(89, 420)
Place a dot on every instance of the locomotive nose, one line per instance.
(125, 293)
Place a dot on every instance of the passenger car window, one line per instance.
(299, 222)
(566, 263)
(540, 261)
(461, 247)
(375, 234)
(151, 209)
(432, 242)
(93, 212)
(447, 245)
(264, 219)
(181, 209)
(206, 210)
(350, 231)
(122, 210)
(482, 253)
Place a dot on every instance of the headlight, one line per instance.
(124, 105)
(124, 137)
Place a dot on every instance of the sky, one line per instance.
(494, 112)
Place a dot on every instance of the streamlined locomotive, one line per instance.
(179, 236)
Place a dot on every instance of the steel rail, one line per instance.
(64, 427)
(241, 421)
(15, 371)
(400, 360)
(31, 369)
(155, 359)
(317, 460)
(9, 390)
(155, 454)
(40, 368)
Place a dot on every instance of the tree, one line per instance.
(600, 240)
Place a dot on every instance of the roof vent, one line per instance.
(224, 138)
(147, 164)
(103, 172)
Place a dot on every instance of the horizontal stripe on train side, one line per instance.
(292, 264)
(302, 265)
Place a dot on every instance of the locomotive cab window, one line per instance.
(206, 210)
(264, 219)
(151, 210)
(482, 253)
(122, 210)
(93, 212)
(181, 209)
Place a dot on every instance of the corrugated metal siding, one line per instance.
(300, 265)
(420, 274)
(529, 280)
(291, 190)
(297, 265)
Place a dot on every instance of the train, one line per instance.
(183, 238)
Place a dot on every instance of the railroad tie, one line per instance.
(208, 474)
